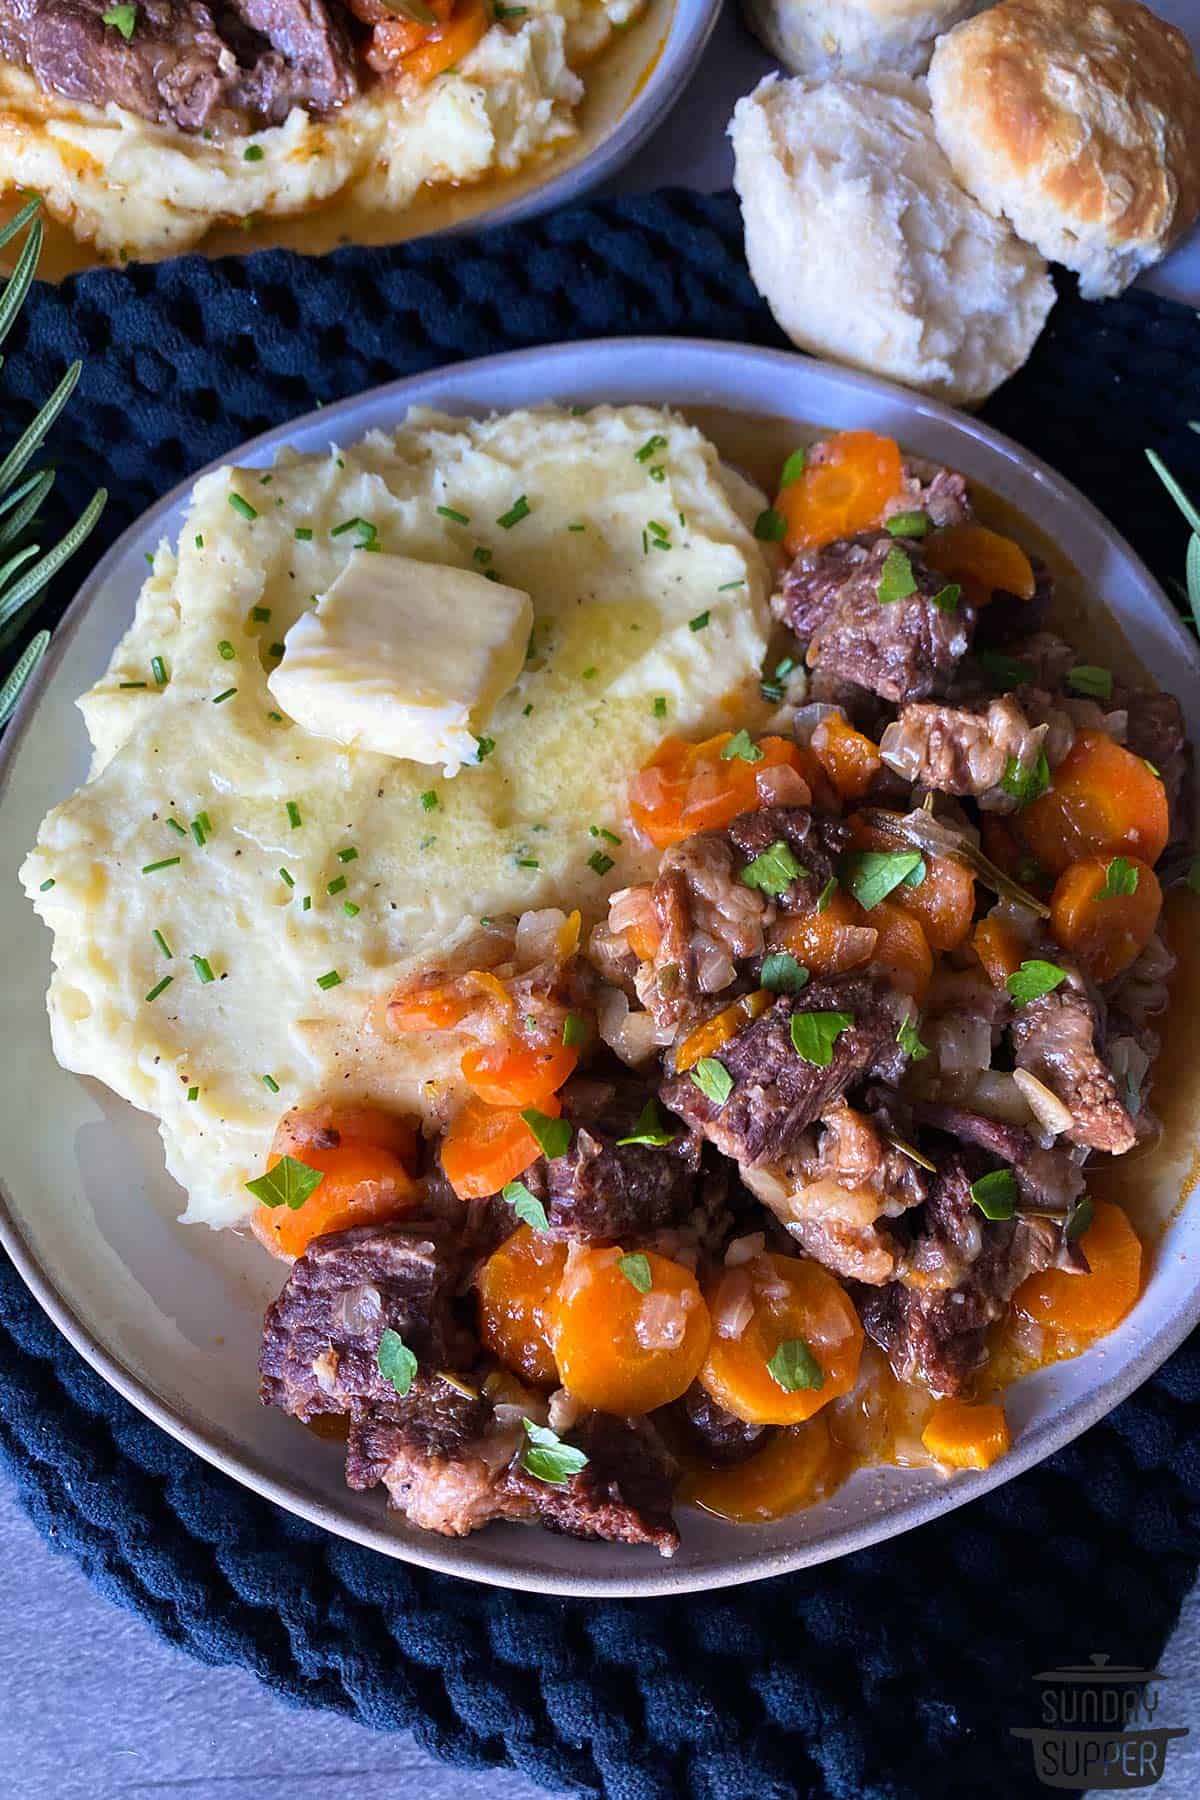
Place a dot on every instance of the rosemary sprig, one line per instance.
(1191, 513)
(25, 570)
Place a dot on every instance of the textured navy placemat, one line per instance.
(888, 1675)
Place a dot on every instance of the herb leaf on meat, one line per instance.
(1026, 782)
(713, 1079)
(782, 974)
(814, 1035)
(1033, 979)
(527, 1207)
(996, 1194)
(395, 1361)
(896, 578)
(553, 1135)
(650, 1128)
(547, 1458)
(870, 875)
(774, 871)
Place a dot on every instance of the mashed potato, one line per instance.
(136, 189)
(294, 827)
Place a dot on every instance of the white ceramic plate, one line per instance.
(170, 1315)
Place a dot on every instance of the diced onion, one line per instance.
(662, 1320)
(735, 1305)
(357, 1309)
(744, 1249)
(1047, 1108)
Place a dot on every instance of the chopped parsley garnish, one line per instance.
(270, 1083)
(660, 706)
(947, 598)
(635, 1267)
(553, 1135)
(159, 987)
(452, 513)
(770, 527)
(650, 1128)
(793, 468)
(1092, 680)
(794, 1366)
(527, 1206)
(1119, 878)
(1026, 784)
(871, 875)
(649, 448)
(330, 980)
(243, 507)
(288, 1184)
(254, 153)
(741, 748)
(483, 748)
(547, 1458)
(395, 1361)
(713, 1079)
(226, 694)
(203, 969)
(349, 854)
(167, 862)
(907, 524)
(699, 622)
(896, 578)
(158, 669)
(782, 974)
(814, 1035)
(599, 863)
(909, 1038)
(574, 1031)
(162, 943)
(121, 18)
(1006, 671)
(293, 813)
(429, 801)
(996, 1194)
(1033, 979)
(519, 510)
(774, 871)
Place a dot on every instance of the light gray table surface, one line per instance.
(92, 1705)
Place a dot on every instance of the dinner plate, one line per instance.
(170, 1314)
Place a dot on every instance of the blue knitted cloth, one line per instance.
(888, 1675)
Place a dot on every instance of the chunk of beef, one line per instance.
(1048, 1180)
(961, 749)
(605, 1189)
(1007, 618)
(1056, 1039)
(229, 70)
(623, 1496)
(719, 1436)
(776, 1093)
(816, 840)
(903, 650)
(958, 1277)
(451, 1462)
(1155, 730)
(706, 920)
(838, 1190)
(321, 1335)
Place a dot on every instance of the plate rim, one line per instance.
(460, 1557)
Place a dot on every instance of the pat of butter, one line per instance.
(405, 658)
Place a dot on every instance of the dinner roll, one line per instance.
(866, 248)
(1079, 120)
(850, 38)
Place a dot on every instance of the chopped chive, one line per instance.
(46, 885)
(243, 507)
(726, 585)
(200, 829)
(293, 813)
(193, 1093)
(276, 650)
(450, 512)
(576, 527)
(270, 1082)
(276, 718)
(199, 540)
(520, 509)
(660, 706)
(351, 911)
(590, 673)
(599, 863)
(330, 980)
(657, 442)
(162, 943)
(203, 969)
(226, 651)
(483, 748)
(159, 987)
(429, 801)
(365, 532)
(174, 825)
(770, 527)
(227, 695)
(167, 862)
(286, 878)
(658, 472)
(260, 614)
(253, 153)
(527, 862)
(304, 533)
(134, 684)
(610, 837)
(158, 669)
(336, 885)
(348, 855)
(306, 903)
(699, 622)
(481, 555)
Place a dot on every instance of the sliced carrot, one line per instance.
(306, 1128)
(794, 1469)
(901, 948)
(643, 939)
(686, 787)
(966, 1436)
(944, 902)
(791, 1299)
(363, 1181)
(842, 490)
(981, 561)
(621, 1349)
(1105, 930)
(516, 1287)
(999, 949)
(1103, 801)
(710, 1037)
(828, 940)
(448, 44)
(1083, 1307)
(1004, 847)
(513, 1073)
(487, 1146)
(849, 758)
(434, 1006)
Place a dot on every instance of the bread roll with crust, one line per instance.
(866, 248)
(820, 39)
(1078, 120)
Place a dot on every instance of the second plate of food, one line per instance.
(517, 826)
